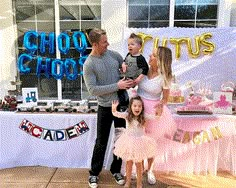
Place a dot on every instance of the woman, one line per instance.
(154, 91)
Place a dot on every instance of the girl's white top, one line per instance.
(133, 128)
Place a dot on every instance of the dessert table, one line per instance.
(212, 147)
(202, 144)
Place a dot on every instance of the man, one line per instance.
(101, 75)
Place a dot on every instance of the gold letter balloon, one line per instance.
(196, 53)
(156, 42)
(193, 47)
(210, 45)
(178, 42)
(144, 38)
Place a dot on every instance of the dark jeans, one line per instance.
(123, 100)
(104, 123)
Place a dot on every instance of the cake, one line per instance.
(175, 95)
(195, 105)
(194, 109)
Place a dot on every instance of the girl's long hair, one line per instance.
(165, 61)
(131, 116)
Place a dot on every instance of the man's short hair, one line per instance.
(95, 35)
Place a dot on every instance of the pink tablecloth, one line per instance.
(202, 156)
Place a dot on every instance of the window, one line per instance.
(77, 16)
(148, 13)
(186, 13)
(41, 16)
(195, 13)
(38, 16)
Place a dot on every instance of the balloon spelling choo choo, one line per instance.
(55, 67)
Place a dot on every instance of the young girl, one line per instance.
(133, 146)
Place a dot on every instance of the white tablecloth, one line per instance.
(17, 148)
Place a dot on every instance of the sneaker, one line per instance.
(151, 178)
(133, 176)
(93, 181)
(119, 178)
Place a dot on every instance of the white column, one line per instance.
(114, 19)
(224, 13)
(233, 14)
(7, 48)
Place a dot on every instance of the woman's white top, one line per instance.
(151, 88)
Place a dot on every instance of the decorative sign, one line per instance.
(198, 137)
(52, 134)
(200, 42)
(58, 68)
(30, 95)
(200, 55)
(211, 134)
(222, 102)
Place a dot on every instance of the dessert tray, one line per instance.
(194, 112)
(174, 103)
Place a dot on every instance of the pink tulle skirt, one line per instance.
(135, 147)
(161, 127)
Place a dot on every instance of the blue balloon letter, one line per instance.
(50, 42)
(66, 38)
(23, 68)
(56, 75)
(71, 64)
(46, 68)
(81, 63)
(29, 35)
(84, 45)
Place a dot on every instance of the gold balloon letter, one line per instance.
(210, 45)
(156, 42)
(144, 38)
(177, 42)
(197, 47)
(164, 42)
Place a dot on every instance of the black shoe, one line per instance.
(93, 181)
(119, 178)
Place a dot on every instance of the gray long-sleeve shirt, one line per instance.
(101, 75)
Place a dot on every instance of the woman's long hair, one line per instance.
(165, 62)
(131, 116)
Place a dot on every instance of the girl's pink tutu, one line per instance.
(158, 127)
(134, 145)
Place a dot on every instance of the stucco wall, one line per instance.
(114, 18)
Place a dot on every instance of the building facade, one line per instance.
(57, 16)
